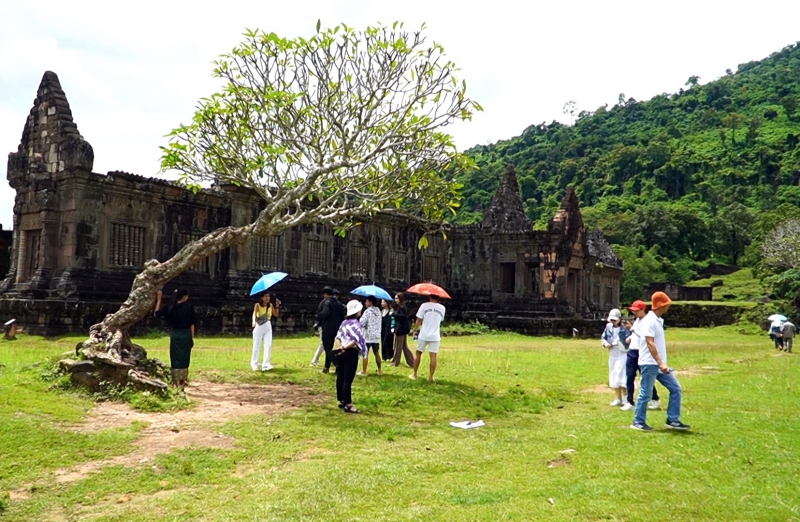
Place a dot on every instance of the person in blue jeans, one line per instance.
(653, 364)
(636, 343)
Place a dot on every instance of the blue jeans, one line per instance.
(631, 367)
(651, 374)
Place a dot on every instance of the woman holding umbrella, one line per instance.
(371, 322)
(776, 329)
(378, 324)
(263, 312)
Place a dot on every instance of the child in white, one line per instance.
(429, 319)
(614, 340)
(263, 312)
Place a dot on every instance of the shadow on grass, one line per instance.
(679, 433)
(393, 406)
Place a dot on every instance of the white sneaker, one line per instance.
(654, 405)
(255, 368)
(616, 402)
(267, 368)
(314, 363)
(361, 374)
(628, 407)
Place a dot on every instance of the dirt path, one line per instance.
(192, 428)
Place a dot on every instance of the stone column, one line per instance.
(50, 240)
(13, 269)
(21, 239)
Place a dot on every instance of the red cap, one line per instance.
(637, 306)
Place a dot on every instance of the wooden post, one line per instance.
(10, 330)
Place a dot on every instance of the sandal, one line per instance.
(341, 405)
(351, 409)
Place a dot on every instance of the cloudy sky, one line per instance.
(133, 70)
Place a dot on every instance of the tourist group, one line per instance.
(382, 324)
(781, 332)
(641, 346)
(348, 332)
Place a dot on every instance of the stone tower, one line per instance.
(506, 211)
(50, 148)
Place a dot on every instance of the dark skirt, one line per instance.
(180, 348)
(387, 348)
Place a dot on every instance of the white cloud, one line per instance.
(132, 71)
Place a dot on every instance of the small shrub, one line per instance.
(468, 328)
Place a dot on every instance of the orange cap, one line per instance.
(660, 300)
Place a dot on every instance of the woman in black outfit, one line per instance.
(387, 330)
(181, 318)
(402, 327)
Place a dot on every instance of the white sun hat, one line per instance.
(353, 307)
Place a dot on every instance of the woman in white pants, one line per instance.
(263, 312)
(615, 339)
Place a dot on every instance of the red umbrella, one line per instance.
(428, 289)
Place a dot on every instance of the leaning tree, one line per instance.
(326, 129)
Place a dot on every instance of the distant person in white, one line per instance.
(429, 319)
(653, 364)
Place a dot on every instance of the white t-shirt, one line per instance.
(431, 315)
(638, 341)
(652, 326)
(615, 336)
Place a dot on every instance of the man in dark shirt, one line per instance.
(330, 315)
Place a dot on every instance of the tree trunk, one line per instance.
(109, 345)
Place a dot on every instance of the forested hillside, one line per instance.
(676, 181)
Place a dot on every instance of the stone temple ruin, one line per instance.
(80, 237)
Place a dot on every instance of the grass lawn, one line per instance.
(552, 448)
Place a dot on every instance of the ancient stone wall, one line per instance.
(81, 237)
(678, 292)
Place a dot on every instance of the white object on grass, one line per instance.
(465, 425)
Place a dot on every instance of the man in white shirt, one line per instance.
(635, 344)
(429, 318)
(653, 364)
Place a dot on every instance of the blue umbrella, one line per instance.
(372, 290)
(266, 281)
(777, 317)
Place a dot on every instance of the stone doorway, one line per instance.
(508, 279)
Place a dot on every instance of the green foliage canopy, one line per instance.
(352, 120)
